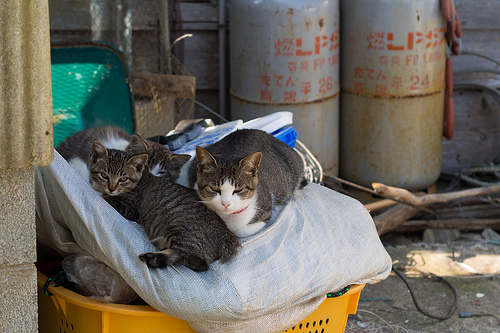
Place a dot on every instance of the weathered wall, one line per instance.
(477, 113)
(25, 88)
(200, 53)
(18, 299)
(26, 142)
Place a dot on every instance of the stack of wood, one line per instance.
(401, 211)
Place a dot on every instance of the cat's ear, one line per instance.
(205, 160)
(251, 162)
(180, 159)
(97, 150)
(137, 145)
(138, 161)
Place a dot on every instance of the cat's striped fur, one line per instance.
(183, 229)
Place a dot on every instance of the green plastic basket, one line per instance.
(90, 87)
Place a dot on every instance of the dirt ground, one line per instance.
(471, 266)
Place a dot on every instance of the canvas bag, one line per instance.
(320, 242)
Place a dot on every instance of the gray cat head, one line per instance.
(227, 186)
(114, 171)
(161, 162)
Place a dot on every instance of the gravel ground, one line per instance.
(471, 267)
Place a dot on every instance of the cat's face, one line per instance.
(114, 171)
(161, 162)
(227, 188)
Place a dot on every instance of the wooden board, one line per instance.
(196, 16)
(477, 132)
(163, 85)
(76, 14)
(199, 55)
(479, 14)
(476, 140)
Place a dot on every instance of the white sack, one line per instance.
(320, 242)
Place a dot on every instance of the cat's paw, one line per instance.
(160, 259)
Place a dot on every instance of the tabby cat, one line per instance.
(244, 175)
(76, 150)
(111, 174)
(178, 224)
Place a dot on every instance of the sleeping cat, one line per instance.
(76, 150)
(111, 174)
(178, 224)
(244, 175)
(161, 161)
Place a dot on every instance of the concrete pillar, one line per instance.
(26, 141)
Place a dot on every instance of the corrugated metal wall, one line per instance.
(26, 137)
(26, 141)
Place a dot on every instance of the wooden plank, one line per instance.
(476, 211)
(76, 14)
(458, 224)
(195, 26)
(477, 114)
(200, 57)
(197, 12)
(196, 16)
(70, 36)
(144, 16)
(479, 14)
(164, 9)
(381, 204)
(145, 52)
(145, 48)
(394, 216)
(163, 85)
(482, 41)
(476, 139)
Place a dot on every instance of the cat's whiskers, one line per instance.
(175, 269)
(206, 202)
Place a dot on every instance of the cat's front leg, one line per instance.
(169, 257)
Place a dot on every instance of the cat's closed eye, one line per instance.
(163, 174)
(215, 189)
(238, 190)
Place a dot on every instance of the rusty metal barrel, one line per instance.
(284, 56)
(393, 55)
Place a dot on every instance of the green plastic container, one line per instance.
(91, 87)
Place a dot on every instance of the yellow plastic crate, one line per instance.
(69, 312)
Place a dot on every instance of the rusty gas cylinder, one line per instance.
(392, 92)
(285, 57)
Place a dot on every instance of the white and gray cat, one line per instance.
(244, 175)
(183, 229)
(77, 150)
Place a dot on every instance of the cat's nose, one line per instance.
(226, 204)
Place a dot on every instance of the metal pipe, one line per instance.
(222, 58)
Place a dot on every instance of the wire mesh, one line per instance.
(139, 29)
